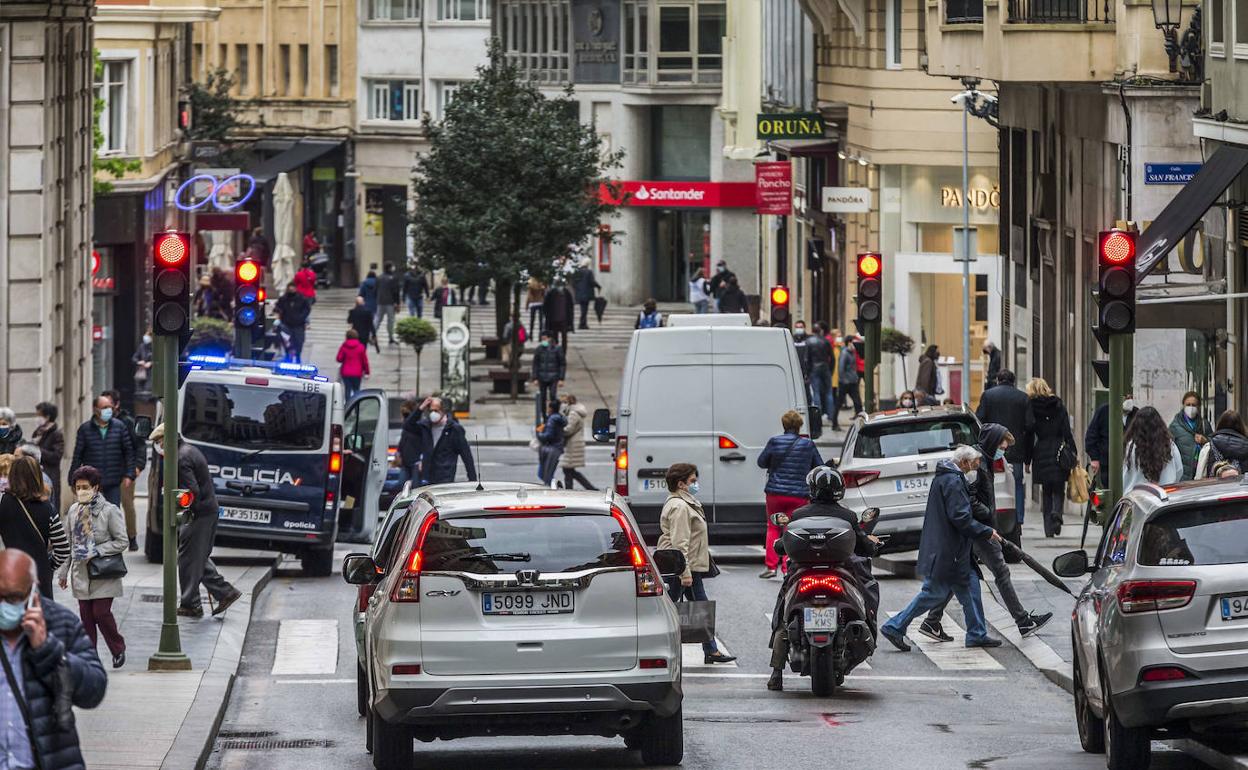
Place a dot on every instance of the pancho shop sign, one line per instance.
(793, 125)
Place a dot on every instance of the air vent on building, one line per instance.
(1241, 225)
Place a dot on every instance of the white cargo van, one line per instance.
(710, 395)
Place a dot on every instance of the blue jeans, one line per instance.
(416, 306)
(821, 387)
(933, 594)
(1020, 491)
(701, 306)
(697, 592)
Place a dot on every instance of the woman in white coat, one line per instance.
(573, 458)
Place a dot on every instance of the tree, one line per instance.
(214, 112)
(899, 344)
(416, 332)
(211, 336)
(511, 179)
(113, 166)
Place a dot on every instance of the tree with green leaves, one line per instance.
(214, 112)
(114, 166)
(510, 181)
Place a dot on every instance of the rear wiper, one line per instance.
(503, 556)
(930, 449)
(250, 455)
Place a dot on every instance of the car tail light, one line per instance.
(263, 381)
(1163, 674)
(405, 669)
(407, 587)
(621, 465)
(998, 466)
(654, 662)
(858, 478)
(1152, 595)
(819, 582)
(334, 463)
(523, 508)
(727, 443)
(649, 581)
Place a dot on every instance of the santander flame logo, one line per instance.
(642, 194)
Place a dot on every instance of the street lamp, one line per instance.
(1167, 14)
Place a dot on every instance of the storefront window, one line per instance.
(937, 238)
(103, 294)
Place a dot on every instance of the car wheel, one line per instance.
(368, 730)
(392, 745)
(662, 739)
(361, 690)
(822, 672)
(632, 739)
(153, 547)
(1126, 748)
(1091, 729)
(317, 562)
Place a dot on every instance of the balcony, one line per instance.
(1060, 11)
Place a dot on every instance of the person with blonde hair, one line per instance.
(787, 458)
(1053, 452)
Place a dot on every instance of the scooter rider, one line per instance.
(827, 487)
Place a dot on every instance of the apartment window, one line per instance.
(223, 56)
(303, 69)
(636, 41)
(394, 100)
(283, 53)
(446, 92)
(675, 39)
(892, 35)
(394, 10)
(463, 10)
(111, 89)
(1240, 24)
(197, 57)
(260, 69)
(241, 64)
(712, 24)
(1217, 27)
(684, 30)
(331, 69)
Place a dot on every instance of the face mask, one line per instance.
(41, 421)
(1190, 411)
(999, 454)
(11, 614)
(840, 340)
(545, 343)
(907, 402)
(971, 476)
(799, 332)
(695, 488)
(435, 417)
(1128, 405)
(147, 339)
(159, 448)
(106, 413)
(84, 496)
(4, 430)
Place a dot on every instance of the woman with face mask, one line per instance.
(29, 523)
(10, 431)
(1191, 431)
(97, 528)
(683, 527)
(906, 400)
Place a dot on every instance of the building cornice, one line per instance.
(1220, 130)
(153, 14)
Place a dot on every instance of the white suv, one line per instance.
(520, 610)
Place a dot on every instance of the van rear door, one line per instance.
(365, 449)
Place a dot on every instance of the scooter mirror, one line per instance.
(869, 515)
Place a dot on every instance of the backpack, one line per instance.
(521, 335)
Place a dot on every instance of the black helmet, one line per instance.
(826, 484)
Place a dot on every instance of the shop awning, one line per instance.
(804, 147)
(302, 152)
(1183, 212)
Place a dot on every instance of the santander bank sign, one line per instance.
(712, 195)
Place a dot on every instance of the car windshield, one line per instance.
(913, 437)
(1217, 534)
(497, 545)
(252, 417)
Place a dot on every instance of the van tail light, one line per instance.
(727, 443)
(621, 466)
(1164, 674)
(649, 581)
(858, 478)
(1153, 595)
(998, 466)
(407, 587)
(334, 464)
(820, 582)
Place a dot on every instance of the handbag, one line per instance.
(711, 571)
(697, 620)
(107, 567)
(1077, 485)
(1066, 458)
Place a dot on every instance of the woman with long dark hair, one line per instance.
(1150, 454)
(1227, 447)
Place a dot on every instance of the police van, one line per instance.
(296, 466)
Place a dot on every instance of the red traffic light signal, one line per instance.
(1115, 295)
(1117, 247)
(185, 498)
(779, 305)
(779, 295)
(870, 289)
(171, 283)
(172, 248)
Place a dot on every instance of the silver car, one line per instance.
(1161, 630)
(518, 610)
(889, 460)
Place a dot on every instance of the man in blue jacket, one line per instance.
(105, 443)
(945, 554)
(440, 444)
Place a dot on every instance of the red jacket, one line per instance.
(305, 282)
(354, 359)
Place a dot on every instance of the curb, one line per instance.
(193, 744)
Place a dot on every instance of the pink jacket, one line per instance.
(354, 359)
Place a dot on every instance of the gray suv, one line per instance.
(1160, 631)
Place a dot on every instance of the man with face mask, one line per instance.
(440, 445)
(550, 365)
(719, 281)
(40, 636)
(1096, 437)
(140, 456)
(105, 443)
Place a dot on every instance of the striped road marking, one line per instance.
(955, 655)
(306, 647)
(691, 657)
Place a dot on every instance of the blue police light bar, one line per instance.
(277, 367)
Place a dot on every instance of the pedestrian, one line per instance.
(558, 311)
(105, 443)
(353, 357)
(140, 462)
(50, 665)
(441, 445)
(819, 358)
(1052, 452)
(1190, 431)
(928, 380)
(799, 346)
(50, 439)
(1096, 437)
(195, 537)
(442, 296)
(732, 299)
(388, 298)
(310, 243)
(96, 529)
(994, 441)
(1006, 405)
(1228, 445)
(10, 431)
(573, 458)
(361, 320)
(682, 524)
(30, 523)
(293, 309)
(201, 302)
(906, 399)
(994, 364)
(415, 291)
(550, 365)
(649, 317)
(30, 449)
(699, 292)
(536, 294)
(6, 464)
(787, 458)
(221, 296)
(258, 247)
(550, 442)
(1150, 455)
(368, 289)
(719, 283)
(945, 554)
(142, 360)
(847, 373)
(586, 288)
(305, 281)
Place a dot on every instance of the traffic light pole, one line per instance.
(169, 656)
(871, 361)
(1120, 353)
(242, 342)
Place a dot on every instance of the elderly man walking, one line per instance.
(945, 554)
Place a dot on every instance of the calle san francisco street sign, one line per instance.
(790, 125)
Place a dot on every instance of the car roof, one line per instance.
(465, 499)
(1150, 497)
(916, 413)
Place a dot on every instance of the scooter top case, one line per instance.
(819, 540)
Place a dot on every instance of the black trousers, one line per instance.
(584, 314)
(574, 474)
(1052, 498)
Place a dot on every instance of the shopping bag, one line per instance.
(1077, 485)
(697, 621)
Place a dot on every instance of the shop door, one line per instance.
(682, 246)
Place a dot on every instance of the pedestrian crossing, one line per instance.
(951, 656)
(305, 647)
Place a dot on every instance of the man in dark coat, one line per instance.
(945, 554)
(105, 443)
(361, 319)
(1008, 406)
(558, 309)
(294, 308)
(415, 291)
(550, 366)
(48, 652)
(387, 300)
(819, 358)
(51, 442)
(368, 289)
(719, 283)
(127, 492)
(585, 286)
(440, 444)
(994, 364)
(731, 299)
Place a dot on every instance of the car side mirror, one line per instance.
(601, 426)
(814, 418)
(143, 427)
(669, 561)
(1072, 564)
(358, 569)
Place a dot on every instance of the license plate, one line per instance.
(819, 619)
(923, 482)
(653, 484)
(1234, 607)
(250, 515)
(527, 603)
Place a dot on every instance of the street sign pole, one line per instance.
(1119, 386)
(169, 656)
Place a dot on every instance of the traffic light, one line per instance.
(1115, 296)
(780, 306)
(870, 290)
(248, 295)
(171, 283)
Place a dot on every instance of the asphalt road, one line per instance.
(941, 708)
